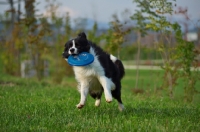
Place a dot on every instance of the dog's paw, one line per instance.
(109, 99)
(79, 106)
(121, 107)
(97, 102)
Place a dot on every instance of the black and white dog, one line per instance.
(104, 74)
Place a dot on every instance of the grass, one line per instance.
(28, 105)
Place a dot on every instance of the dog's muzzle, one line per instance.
(72, 51)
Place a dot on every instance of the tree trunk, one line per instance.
(138, 59)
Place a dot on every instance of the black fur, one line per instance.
(113, 70)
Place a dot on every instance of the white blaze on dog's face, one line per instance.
(73, 49)
(76, 46)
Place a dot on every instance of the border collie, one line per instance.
(103, 75)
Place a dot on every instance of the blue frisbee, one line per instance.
(81, 59)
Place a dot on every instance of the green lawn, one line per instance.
(28, 105)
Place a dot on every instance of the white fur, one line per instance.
(93, 77)
(73, 47)
(97, 102)
(113, 58)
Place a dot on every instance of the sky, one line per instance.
(102, 10)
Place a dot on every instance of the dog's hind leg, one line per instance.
(97, 102)
(117, 95)
(120, 104)
(97, 96)
(98, 99)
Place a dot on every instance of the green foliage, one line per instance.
(129, 53)
(115, 36)
(33, 38)
(186, 54)
(41, 38)
(152, 16)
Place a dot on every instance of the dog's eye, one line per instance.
(77, 44)
(70, 44)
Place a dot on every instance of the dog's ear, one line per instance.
(66, 48)
(82, 35)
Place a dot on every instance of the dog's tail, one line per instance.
(119, 65)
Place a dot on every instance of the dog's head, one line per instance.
(76, 45)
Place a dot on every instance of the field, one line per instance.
(29, 105)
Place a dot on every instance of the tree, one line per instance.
(152, 16)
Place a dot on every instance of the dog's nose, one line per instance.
(72, 50)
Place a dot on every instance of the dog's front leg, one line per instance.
(84, 88)
(107, 86)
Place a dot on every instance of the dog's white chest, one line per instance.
(90, 75)
(93, 70)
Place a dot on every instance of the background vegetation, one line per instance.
(44, 99)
